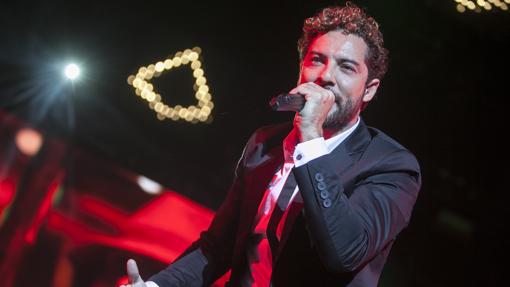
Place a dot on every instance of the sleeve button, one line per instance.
(324, 194)
(326, 203)
(321, 185)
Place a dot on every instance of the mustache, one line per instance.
(338, 98)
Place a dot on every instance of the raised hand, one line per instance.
(319, 102)
(135, 280)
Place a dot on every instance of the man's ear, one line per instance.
(370, 90)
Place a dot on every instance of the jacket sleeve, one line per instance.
(349, 231)
(209, 257)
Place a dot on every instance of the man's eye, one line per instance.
(349, 68)
(315, 60)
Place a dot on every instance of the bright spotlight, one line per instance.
(148, 185)
(72, 71)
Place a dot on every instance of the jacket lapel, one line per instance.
(256, 182)
(346, 153)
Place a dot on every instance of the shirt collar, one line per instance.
(335, 141)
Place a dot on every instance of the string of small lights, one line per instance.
(144, 89)
(479, 5)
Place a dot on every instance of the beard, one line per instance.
(346, 109)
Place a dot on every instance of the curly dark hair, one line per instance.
(351, 20)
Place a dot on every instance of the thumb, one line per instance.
(132, 271)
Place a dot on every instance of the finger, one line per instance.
(303, 89)
(313, 90)
(320, 90)
(320, 93)
(132, 271)
(293, 91)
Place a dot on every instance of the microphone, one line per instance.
(287, 102)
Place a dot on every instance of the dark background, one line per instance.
(443, 98)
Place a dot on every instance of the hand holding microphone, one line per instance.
(293, 101)
(312, 104)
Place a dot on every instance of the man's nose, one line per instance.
(325, 78)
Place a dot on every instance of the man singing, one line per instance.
(319, 202)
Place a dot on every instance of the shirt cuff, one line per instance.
(309, 150)
(151, 284)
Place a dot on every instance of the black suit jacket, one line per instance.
(372, 183)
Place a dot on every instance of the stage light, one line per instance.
(204, 88)
(145, 94)
(184, 60)
(193, 114)
(136, 82)
(177, 61)
(168, 64)
(130, 79)
(198, 73)
(151, 97)
(29, 141)
(195, 65)
(193, 56)
(478, 5)
(149, 185)
(158, 107)
(160, 66)
(201, 81)
(72, 71)
(183, 112)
